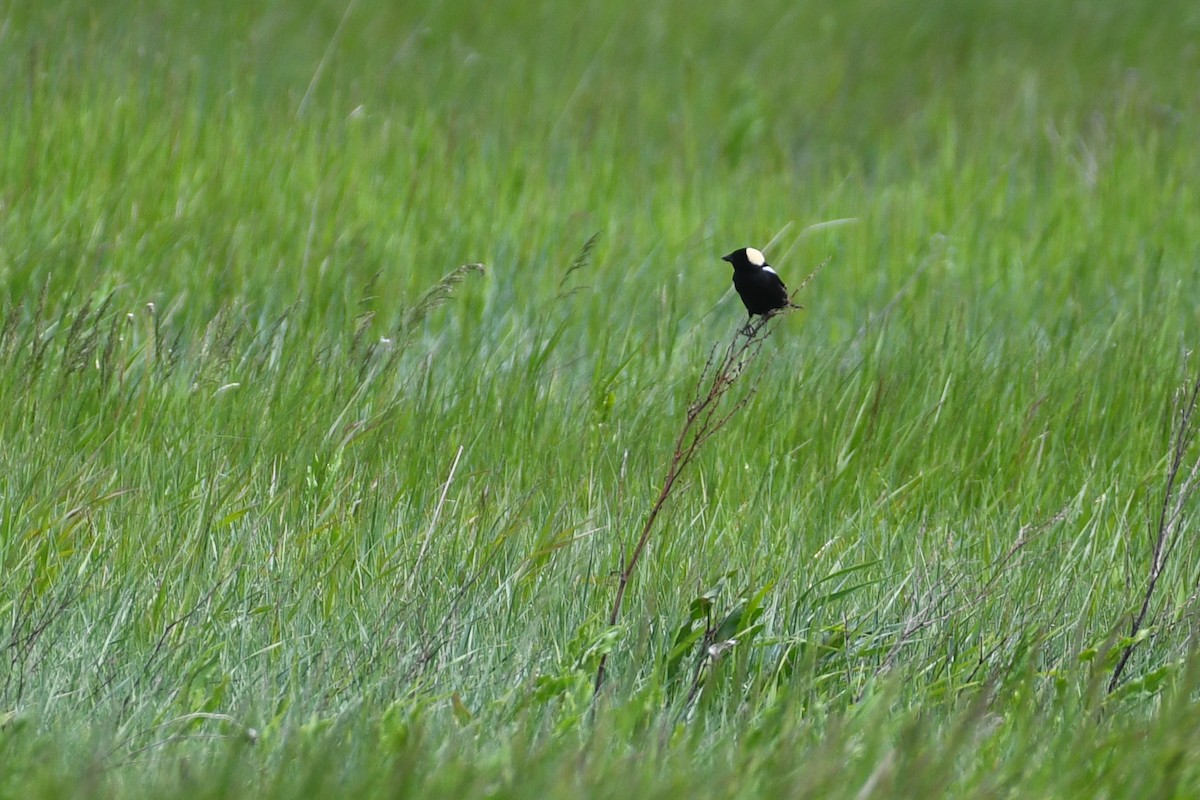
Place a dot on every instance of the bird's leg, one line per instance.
(752, 328)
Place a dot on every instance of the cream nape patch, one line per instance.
(755, 257)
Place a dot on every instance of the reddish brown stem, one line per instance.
(699, 425)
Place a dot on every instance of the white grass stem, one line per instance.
(437, 512)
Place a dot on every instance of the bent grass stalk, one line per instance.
(706, 415)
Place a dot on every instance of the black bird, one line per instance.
(761, 289)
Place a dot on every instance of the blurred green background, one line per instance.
(289, 503)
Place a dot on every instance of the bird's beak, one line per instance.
(728, 258)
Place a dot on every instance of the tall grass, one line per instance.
(297, 501)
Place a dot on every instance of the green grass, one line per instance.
(284, 514)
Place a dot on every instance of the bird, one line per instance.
(760, 287)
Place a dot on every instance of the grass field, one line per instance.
(295, 504)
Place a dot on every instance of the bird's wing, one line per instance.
(775, 278)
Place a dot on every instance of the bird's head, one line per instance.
(746, 257)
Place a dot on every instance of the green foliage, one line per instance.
(296, 499)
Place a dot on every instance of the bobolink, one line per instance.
(761, 289)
